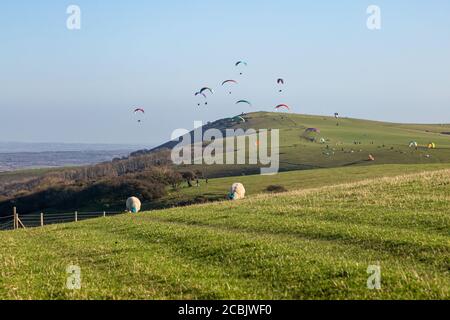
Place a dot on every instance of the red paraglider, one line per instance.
(229, 81)
(278, 107)
(139, 110)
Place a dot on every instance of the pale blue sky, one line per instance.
(81, 86)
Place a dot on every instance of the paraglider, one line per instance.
(238, 119)
(280, 82)
(202, 90)
(316, 130)
(311, 134)
(431, 145)
(239, 63)
(201, 94)
(278, 107)
(139, 111)
(229, 81)
(336, 115)
(413, 144)
(244, 101)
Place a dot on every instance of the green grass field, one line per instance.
(216, 189)
(314, 242)
(387, 142)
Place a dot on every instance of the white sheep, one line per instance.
(133, 205)
(237, 191)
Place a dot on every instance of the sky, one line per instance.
(81, 86)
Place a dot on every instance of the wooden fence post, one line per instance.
(76, 216)
(15, 218)
(104, 214)
(19, 222)
(42, 219)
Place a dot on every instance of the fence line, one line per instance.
(17, 221)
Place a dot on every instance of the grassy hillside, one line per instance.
(216, 189)
(311, 243)
(388, 142)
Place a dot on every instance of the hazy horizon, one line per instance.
(126, 146)
(80, 86)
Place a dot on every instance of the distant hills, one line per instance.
(19, 155)
(11, 147)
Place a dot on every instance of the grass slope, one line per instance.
(305, 244)
(388, 142)
(216, 189)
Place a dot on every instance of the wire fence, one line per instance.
(35, 220)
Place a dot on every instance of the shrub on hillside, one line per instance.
(274, 188)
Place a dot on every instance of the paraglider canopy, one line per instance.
(244, 101)
(280, 106)
(311, 134)
(202, 90)
(239, 63)
(201, 94)
(280, 81)
(413, 144)
(229, 81)
(238, 119)
(139, 111)
(316, 130)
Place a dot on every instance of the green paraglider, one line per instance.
(238, 119)
(239, 63)
(244, 101)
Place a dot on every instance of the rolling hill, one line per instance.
(346, 144)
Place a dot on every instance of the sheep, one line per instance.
(133, 205)
(237, 192)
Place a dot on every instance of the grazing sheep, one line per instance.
(133, 205)
(237, 192)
